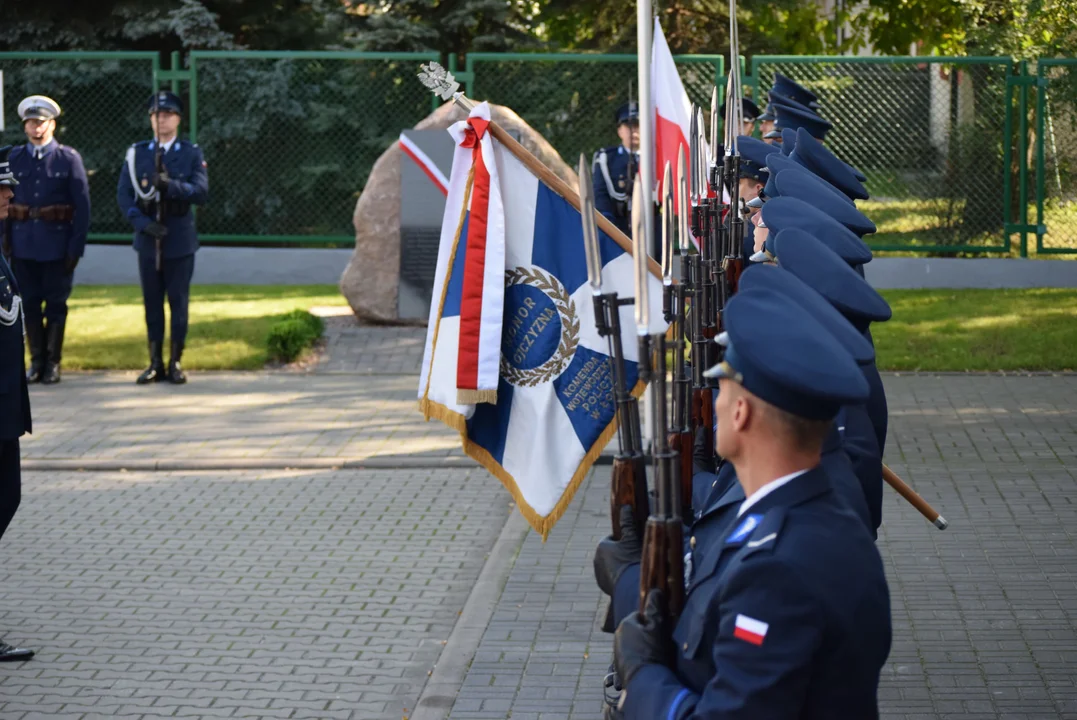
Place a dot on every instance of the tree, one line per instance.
(447, 26)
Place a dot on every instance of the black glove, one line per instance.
(5, 247)
(161, 181)
(612, 557)
(155, 229)
(641, 639)
(70, 263)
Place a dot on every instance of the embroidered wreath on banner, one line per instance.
(552, 288)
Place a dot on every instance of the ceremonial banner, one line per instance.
(555, 397)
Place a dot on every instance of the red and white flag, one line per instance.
(672, 111)
(750, 630)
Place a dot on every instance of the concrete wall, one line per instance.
(116, 265)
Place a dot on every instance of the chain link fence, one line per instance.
(572, 100)
(1056, 156)
(102, 97)
(932, 135)
(960, 153)
(291, 140)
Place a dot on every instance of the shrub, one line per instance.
(292, 334)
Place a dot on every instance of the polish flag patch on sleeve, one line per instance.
(750, 630)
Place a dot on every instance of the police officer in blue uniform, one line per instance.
(614, 169)
(787, 615)
(46, 232)
(158, 204)
(15, 398)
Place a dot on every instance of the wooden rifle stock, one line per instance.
(662, 566)
(628, 486)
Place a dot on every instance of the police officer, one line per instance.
(158, 205)
(47, 226)
(614, 169)
(15, 402)
(787, 614)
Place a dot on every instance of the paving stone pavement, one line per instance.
(279, 594)
(984, 613)
(370, 349)
(238, 416)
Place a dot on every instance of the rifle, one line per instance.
(680, 434)
(158, 166)
(662, 566)
(695, 274)
(732, 262)
(628, 485)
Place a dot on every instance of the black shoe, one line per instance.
(176, 376)
(10, 653)
(35, 341)
(33, 375)
(54, 336)
(156, 371)
(52, 374)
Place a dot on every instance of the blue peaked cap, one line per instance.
(807, 187)
(628, 111)
(810, 153)
(786, 212)
(789, 117)
(778, 352)
(789, 141)
(788, 87)
(776, 98)
(776, 163)
(753, 157)
(165, 101)
(822, 270)
(775, 279)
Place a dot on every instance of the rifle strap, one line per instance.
(603, 164)
(139, 192)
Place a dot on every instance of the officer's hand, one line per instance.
(155, 229)
(70, 263)
(641, 639)
(614, 556)
(161, 181)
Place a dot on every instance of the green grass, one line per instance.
(228, 329)
(959, 330)
(913, 222)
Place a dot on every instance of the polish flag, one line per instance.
(750, 630)
(672, 110)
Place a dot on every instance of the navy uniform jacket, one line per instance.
(613, 186)
(716, 497)
(189, 186)
(14, 395)
(58, 178)
(876, 405)
(858, 440)
(787, 617)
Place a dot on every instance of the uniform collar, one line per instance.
(165, 147)
(783, 492)
(44, 149)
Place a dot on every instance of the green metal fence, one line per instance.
(1056, 157)
(572, 98)
(932, 134)
(103, 99)
(961, 154)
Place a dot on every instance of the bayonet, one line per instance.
(590, 232)
(682, 202)
(640, 258)
(667, 225)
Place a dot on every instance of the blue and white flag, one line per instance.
(555, 407)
